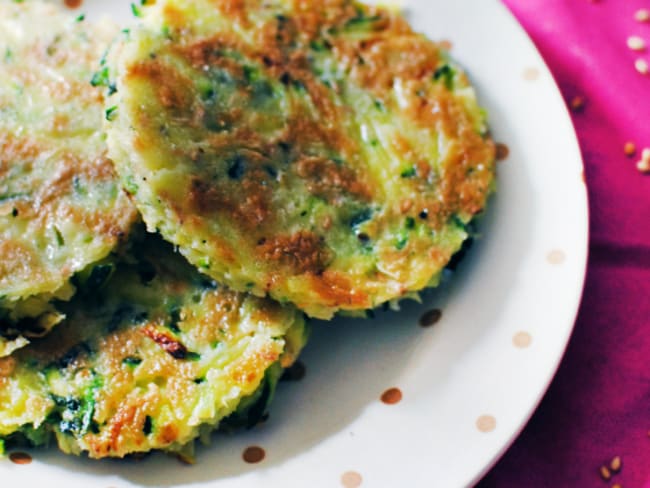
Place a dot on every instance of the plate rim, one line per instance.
(583, 258)
(559, 353)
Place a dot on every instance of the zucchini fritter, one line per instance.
(152, 355)
(320, 152)
(61, 206)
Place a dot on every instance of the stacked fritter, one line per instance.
(147, 353)
(321, 154)
(61, 207)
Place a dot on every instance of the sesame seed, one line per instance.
(643, 166)
(642, 15)
(577, 103)
(641, 66)
(645, 154)
(629, 149)
(615, 465)
(604, 473)
(635, 43)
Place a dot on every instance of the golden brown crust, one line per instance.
(61, 209)
(302, 252)
(18, 260)
(171, 86)
(411, 58)
(323, 138)
(327, 179)
(249, 206)
(338, 291)
(149, 361)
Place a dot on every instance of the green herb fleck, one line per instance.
(192, 356)
(12, 196)
(111, 113)
(102, 78)
(402, 241)
(59, 237)
(76, 415)
(410, 223)
(360, 217)
(320, 45)
(174, 319)
(147, 428)
(362, 21)
(131, 361)
(446, 74)
(78, 186)
(409, 172)
(130, 185)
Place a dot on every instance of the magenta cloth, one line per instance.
(598, 406)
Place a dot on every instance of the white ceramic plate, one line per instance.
(469, 383)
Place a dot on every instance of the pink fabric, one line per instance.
(598, 406)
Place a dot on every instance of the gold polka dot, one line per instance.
(486, 423)
(430, 318)
(557, 256)
(351, 479)
(392, 396)
(254, 455)
(531, 74)
(522, 340)
(503, 151)
(73, 3)
(20, 458)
